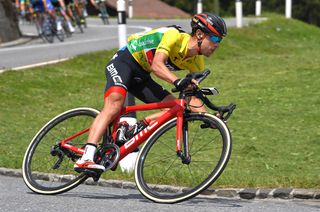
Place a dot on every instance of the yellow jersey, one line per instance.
(169, 41)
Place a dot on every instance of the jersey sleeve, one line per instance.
(168, 41)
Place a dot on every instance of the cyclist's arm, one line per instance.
(159, 68)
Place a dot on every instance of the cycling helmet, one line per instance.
(209, 23)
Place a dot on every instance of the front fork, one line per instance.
(185, 154)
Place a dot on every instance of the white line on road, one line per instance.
(36, 65)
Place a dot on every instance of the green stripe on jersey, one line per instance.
(149, 41)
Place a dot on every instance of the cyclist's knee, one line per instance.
(115, 97)
(113, 103)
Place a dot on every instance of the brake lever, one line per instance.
(229, 110)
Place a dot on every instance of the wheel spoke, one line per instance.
(38, 164)
(157, 165)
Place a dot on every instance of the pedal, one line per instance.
(90, 173)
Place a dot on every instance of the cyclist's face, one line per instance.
(208, 47)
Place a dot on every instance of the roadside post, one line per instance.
(122, 27)
(199, 6)
(239, 13)
(126, 164)
(288, 8)
(130, 9)
(258, 8)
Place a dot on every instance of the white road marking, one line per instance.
(36, 65)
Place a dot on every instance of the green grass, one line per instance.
(271, 70)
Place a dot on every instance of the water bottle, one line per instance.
(135, 129)
(121, 133)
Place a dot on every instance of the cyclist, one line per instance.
(17, 4)
(37, 6)
(96, 3)
(50, 6)
(37, 9)
(24, 7)
(79, 11)
(159, 51)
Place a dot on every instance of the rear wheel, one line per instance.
(47, 34)
(162, 176)
(48, 168)
(60, 35)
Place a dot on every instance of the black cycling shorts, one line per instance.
(124, 71)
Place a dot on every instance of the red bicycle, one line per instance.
(183, 155)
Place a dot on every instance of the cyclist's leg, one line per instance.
(36, 11)
(66, 7)
(22, 7)
(31, 8)
(69, 11)
(112, 106)
(17, 4)
(149, 91)
(95, 4)
(65, 16)
(84, 7)
(118, 74)
(78, 9)
(50, 9)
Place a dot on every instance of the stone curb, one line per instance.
(246, 193)
(24, 39)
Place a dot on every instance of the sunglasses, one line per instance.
(215, 39)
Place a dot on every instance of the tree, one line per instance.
(9, 28)
(307, 10)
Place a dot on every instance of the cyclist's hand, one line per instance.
(182, 84)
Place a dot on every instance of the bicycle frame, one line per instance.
(177, 108)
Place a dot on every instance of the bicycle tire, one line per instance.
(37, 168)
(38, 22)
(60, 35)
(78, 21)
(162, 177)
(48, 35)
(66, 29)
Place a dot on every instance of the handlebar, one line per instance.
(199, 76)
(196, 91)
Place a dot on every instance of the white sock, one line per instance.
(89, 152)
(70, 26)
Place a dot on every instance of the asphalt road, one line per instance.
(15, 196)
(96, 37)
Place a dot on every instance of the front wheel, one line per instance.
(60, 35)
(48, 168)
(162, 176)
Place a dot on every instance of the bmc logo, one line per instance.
(114, 74)
(139, 135)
